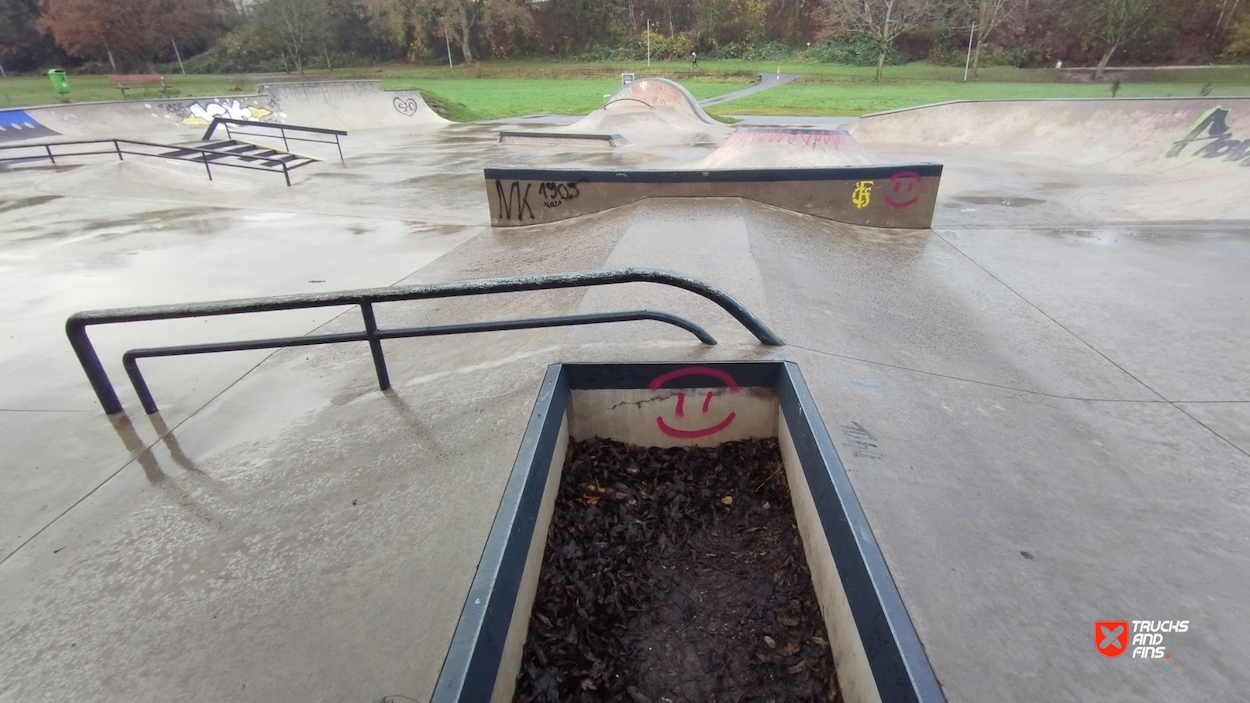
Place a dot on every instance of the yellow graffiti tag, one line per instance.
(862, 194)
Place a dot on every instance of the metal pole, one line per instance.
(77, 332)
(184, 68)
(375, 345)
(648, 43)
(968, 61)
(448, 40)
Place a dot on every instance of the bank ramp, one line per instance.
(342, 105)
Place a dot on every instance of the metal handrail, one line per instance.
(117, 149)
(282, 129)
(76, 325)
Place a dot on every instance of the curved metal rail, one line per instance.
(76, 325)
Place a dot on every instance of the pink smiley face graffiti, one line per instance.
(903, 185)
(707, 401)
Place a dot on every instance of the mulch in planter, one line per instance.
(675, 575)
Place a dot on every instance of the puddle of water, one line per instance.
(1004, 200)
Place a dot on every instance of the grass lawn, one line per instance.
(465, 99)
(495, 89)
(503, 91)
(857, 98)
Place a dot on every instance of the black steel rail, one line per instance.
(76, 325)
(282, 130)
(206, 156)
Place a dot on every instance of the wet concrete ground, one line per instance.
(1059, 403)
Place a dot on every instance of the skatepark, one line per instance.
(1031, 358)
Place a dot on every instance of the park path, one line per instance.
(767, 80)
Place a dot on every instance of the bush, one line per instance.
(754, 51)
(859, 53)
(990, 56)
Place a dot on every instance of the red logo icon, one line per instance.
(903, 185)
(1111, 637)
(707, 401)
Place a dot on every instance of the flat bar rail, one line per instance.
(282, 130)
(77, 324)
(206, 156)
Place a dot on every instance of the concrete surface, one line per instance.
(1057, 388)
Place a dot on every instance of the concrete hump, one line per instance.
(765, 147)
(894, 196)
(661, 92)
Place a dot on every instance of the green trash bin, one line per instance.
(60, 82)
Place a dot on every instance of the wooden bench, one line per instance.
(139, 81)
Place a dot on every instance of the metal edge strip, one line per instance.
(895, 654)
(472, 661)
(735, 175)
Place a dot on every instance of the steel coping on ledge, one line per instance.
(900, 668)
(713, 175)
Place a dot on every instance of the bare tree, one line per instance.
(881, 21)
(1113, 23)
(458, 20)
(299, 27)
(988, 15)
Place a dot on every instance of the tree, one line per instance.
(881, 21)
(22, 46)
(133, 30)
(1239, 43)
(298, 27)
(1113, 23)
(458, 20)
(988, 15)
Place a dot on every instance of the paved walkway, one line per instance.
(767, 80)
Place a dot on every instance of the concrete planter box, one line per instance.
(876, 652)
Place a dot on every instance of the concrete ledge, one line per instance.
(877, 653)
(898, 196)
(562, 139)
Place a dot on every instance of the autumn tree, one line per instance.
(988, 15)
(298, 27)
(131, 30)
(881, 21)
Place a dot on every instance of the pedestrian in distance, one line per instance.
(694, 60)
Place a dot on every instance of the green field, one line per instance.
(496, 89)
(857, 98)
(463, 96)
(465, 99)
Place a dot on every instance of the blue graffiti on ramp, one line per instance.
(16, 124)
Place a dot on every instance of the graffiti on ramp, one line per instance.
(16, 124)
(1211, 138)
(199, 114)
